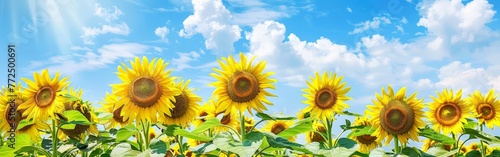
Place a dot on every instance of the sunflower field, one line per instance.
(152, 113)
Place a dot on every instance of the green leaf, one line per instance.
(482, 136)
(203, 148)
(366, 130)
(104, 116)
(433, 135)
(347, 124)
(494, 153)
(30, 149)
(473, 153)
(339, 151)
(350, 114)
(265, 116)
(125, 133)
(158, 146)
(360, 154)
(75, 117)
(299, 128)
(96, 152)
(410, 151)
(378, 152)
(70, 98)
(169, 130)
(20, 141)
(252, 137)
(194, 136)
(209, 123)
(124, 150)
(346, 143)
(23, 123)
(226, 142)
(471, 124)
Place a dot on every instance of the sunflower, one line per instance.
(366, 142)
(215, 110)
(146, 90)
(109, 106)
(428, 143)
(447, 112)
(6, 111)
(194, 143)
(396, 115)
(277, 126)
(186, 107)
(476, 146)
(326, 96)
(204, 110)
(174, 151)
(487, 108)
(314, 136)
(86, 111)
(241, 86)
(44, 96)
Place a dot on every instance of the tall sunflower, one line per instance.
(86, 111)
(44, 96)
(303, 115)
(277, 126)
(486, 108)
(326, 96)
(109, 106)
(366, 142)
(314, 136)
(146, 90)
(186, 106)
(12, 116)
(447, 112)
(396, 115)
(241, 86)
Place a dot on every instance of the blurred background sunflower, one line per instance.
(319, 133)
(448, 112)
(396, 115)
(278, 126)
(226, 118)
(186, 106)
(109, 106)
(241, 86)
(326, 96)
(146, 90)
(366, 142)
(44, 96)
(249, 123)
(86, 110)
(486, 108)
(206, 108)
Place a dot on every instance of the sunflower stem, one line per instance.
(329, 128)
(54, 138)
(483, 151)
(253, 127)
(337, 138)
(396, 144)
(242, 126)
(461, 145)
(146, 134)
(179, 142)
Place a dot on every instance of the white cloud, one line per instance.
(213, 21)
(458, 75)
(374, 24)
(90, 33)
(255, 15)
(404, 20)
(106, 55)
(457, 22)
(349, 9)
(107, 14)
(184, 59)
(162, 32)
(79, 48)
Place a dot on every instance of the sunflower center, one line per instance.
(242, 87)
(397, 117)
(325, 98)
(203, 114)
(316, 137)
(181, 106)
(225, 119)
(448, 114)
(486, 111)
(14, 115)
(116, 115)
(79, 129)
(277, 128)
(45, 96)
(366, 139)
(144, 91)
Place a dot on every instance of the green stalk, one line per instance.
(337, 138)
(396, 143)
(329, 128)
(179, 142)
(54, 138)
(146, 134)
(483, 151)
(141, 142)
(242, 126)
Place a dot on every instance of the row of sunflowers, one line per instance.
(151, 113)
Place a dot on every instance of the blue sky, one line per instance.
(423, 45)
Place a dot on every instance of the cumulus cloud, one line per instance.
(162, 32)
(91, 32)
(213, 21)
(107, 14)
(184, 60)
